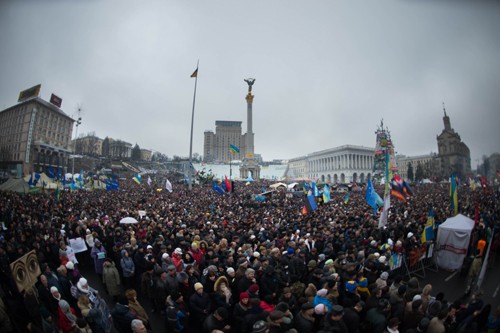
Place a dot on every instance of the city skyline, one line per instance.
(326, 74)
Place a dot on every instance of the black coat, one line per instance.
(303, 324)
(122, 318)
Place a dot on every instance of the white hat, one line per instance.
(373, 243)
(382, 259)
(164, 256)
(252, 237)
(410, 235)
(82, 282)
(390, 242)
(70, 265)
(416, 297)
(178, 250)
(53, 289)
(384, 275)
(256, 254)
(230, 270)
(149, 247)
(376, 254)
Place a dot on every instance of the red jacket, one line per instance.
(63, 322)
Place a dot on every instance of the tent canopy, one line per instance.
(15, 185)
(458, 222)
(453, 241)
(277, 185)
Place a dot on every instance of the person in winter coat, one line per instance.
(176, 313)
(122, 317)
(217, 321)
(98, 254)
(321, 298)
(91, 315)
(83, 288)
(222, 294)
(135, 307)
(66, 318)
(240, 310)
(128, 269)
(377, 316)
(304, 321)
(148, 286)
(200, 305)
(111, 279)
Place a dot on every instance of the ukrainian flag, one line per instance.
(137, 179)
(233, 149)
(428, 233)
(454, 194)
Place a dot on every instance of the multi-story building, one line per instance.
(454, 155)
(427, 163)
(88, 145)
(490, 168)
(342, 164)
(146, 154)
(216, 145)
(116, 148)
(34, 134)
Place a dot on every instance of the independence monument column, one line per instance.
(249, 167)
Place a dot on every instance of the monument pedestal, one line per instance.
(250, 168)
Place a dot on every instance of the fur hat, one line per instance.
(197, 286)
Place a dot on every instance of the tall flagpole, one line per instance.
(190, 178)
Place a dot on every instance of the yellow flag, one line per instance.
(195, 73)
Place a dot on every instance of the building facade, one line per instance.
(428, 163)
(342, 164)
(454, 155)
(34, 134)
(216, 145)
(146, 154)
(116, 148)
(88, 145)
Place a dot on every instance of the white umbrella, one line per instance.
(128, 220)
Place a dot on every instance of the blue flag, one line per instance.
(50, 172)
(37, 178)
(372, 198)
(218, 189)
(315, 190)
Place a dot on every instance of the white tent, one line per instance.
(453, 241)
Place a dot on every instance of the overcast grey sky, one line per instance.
(326, 71)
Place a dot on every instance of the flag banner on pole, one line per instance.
(382, 222)
(233, 149)
(149, 180)
(137, 179)
(326, 193)
(454, 194)
(168, 186)
(346, 198)
(195, 73)
(228, 184)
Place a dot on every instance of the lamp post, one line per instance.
(78, 122)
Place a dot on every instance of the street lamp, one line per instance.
(78, 122)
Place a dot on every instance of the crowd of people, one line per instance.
(209, 262)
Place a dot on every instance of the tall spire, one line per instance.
(446, 120)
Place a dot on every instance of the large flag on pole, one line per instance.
(137, 179)
(168, 186)
(326, 193)
(428, 233)
(233, 149)
(149, 180)
(372, 198)
(454, 194)
(382, 222)
(228, 184)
